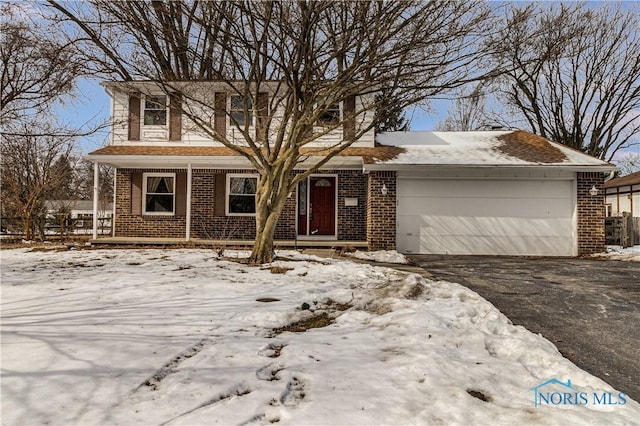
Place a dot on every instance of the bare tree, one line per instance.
(84, 180)
(33, 169)
(36, 68)
(309, 56)
(468, 112)
(574, 73)
(628, 162)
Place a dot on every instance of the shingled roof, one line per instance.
(369, 155)
(632, 179)
(398, 149)
(529, 147)
(483, 148)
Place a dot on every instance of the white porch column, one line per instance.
(95, 199)
(188, 223)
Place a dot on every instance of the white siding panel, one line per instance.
(491, 217)
(191, 134)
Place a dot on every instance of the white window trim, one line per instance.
(228, 192)
(144, 194)
(230, 120)
(144, 108)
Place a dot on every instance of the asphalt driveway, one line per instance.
(590, 309)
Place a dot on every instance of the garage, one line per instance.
(486, 216)
(507, 192)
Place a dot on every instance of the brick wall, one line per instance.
(591, 211)
(352, 224)
(130, 225)
(206, 225)
(286, 226)
(381, 211)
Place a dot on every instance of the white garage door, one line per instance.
(484, 216)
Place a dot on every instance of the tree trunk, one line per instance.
(26, 226)
(263, 251)
(269, 204)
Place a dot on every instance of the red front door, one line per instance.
(322, 205)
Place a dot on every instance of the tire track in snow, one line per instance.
(171, 366)
(240, 390)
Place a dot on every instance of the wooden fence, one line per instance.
(622, 230)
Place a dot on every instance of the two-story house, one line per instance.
(499, 192)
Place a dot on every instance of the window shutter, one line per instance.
(136, 194)
(349, 123)
(181, 194)
(220, 117)
(175, 117)
(262, 110)
(220, 190)
(134, 118)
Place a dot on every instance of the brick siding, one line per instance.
(206, 225)
(352, 224)
(381, 211)
(131, 225)
(591, 212)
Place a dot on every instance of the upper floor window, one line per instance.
(159, 193)
(241, 110)
(241, 195)
(155, 111)
(330, 116)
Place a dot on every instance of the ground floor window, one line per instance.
(159, 193)
(241, 195)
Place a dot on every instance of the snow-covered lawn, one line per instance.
(629, 254)
(150, 337)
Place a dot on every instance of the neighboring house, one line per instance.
(78, 214)
(499, 193)
(623, 195)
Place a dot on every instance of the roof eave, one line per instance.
(208, 161)
(165, 161)
(569, 167)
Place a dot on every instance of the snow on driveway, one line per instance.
(155, 337)
(629, 254)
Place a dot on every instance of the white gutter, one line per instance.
(405, 167)
(208, 161)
